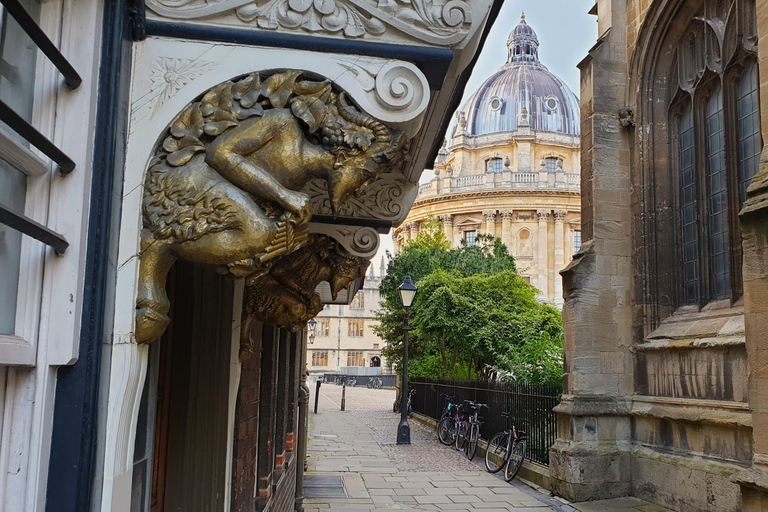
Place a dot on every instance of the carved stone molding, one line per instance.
(439, 23)
(393, 91)
(506, 215)
(447, 220)
(382, 200)
(543, 215)
(170, 74)
(360, 241)
(490, 215)
(560, 215)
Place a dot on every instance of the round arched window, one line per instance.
(496, 103)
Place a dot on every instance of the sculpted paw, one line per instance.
(298, 205)
(150, 324)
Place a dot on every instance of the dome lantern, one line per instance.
(523, 45)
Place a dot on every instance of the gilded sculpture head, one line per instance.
(363, 147)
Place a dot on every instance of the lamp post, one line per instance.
(311, 325)
(407, 292)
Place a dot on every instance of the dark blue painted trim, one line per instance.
(433, 62)
(74, 440)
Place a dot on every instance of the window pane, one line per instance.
(576, 241)
(749, 128)
(13, 188)
(17, 75)
(469, 237)
(550, 164)
(17, 62)
(688, 212)
(716, 198)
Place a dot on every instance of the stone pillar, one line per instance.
(447, 221)
(415, 228)
(506, 228)
(559, 254)
(754, 226)
(591, 458)
(490, 222)
(541, 252)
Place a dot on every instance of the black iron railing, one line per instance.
(531, 405)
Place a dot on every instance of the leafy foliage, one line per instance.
(474, 316)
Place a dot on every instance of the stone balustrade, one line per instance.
(506, 180)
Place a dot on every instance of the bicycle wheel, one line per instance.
(446, 431)
(461, 436)
(515, 461)
(474, 435)
(396, 405)
(496, 453)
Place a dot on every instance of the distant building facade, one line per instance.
(511, 169)
(344, 340)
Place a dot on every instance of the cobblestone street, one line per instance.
(358, 448)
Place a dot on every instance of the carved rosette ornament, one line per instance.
(224, 185)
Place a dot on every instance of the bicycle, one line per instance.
(448, 428)
(450, 403)
(374, 383)
(506, 449)
(396, 405)
(473, 429)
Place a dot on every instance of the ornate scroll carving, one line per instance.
(223, 187)
(286, 295)
(439, 22)
(360, 241)
(382, 199)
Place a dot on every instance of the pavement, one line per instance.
(355, 464)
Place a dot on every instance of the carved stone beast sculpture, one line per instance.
(224, 185)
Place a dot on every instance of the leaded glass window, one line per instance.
(749, 128)
(688, 212)
(717, 200)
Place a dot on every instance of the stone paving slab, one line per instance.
(359, 444)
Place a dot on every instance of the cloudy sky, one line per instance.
(565, 31)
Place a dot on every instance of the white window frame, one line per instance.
(49, 304)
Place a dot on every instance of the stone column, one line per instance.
(415, 228)
(506, 228)
(754, 226)
(591, 458)
(447, 221)
(541, 253)
(490, 222)
(559, 254)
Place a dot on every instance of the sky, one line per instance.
(565, 31)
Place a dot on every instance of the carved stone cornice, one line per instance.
(447, 23)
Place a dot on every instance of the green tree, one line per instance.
(472, 313)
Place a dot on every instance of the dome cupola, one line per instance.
(522, 93)
(523, 43)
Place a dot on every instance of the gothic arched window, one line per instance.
(715, 144)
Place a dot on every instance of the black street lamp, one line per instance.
(311, 328)
(407, 292)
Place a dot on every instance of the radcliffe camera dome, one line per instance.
(522, 93)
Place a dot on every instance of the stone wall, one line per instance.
(662, 401)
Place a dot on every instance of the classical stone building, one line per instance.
(666, 316)
(344, 340)
(183, 185)
(511, 168)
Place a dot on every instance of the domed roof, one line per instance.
(522, 93)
